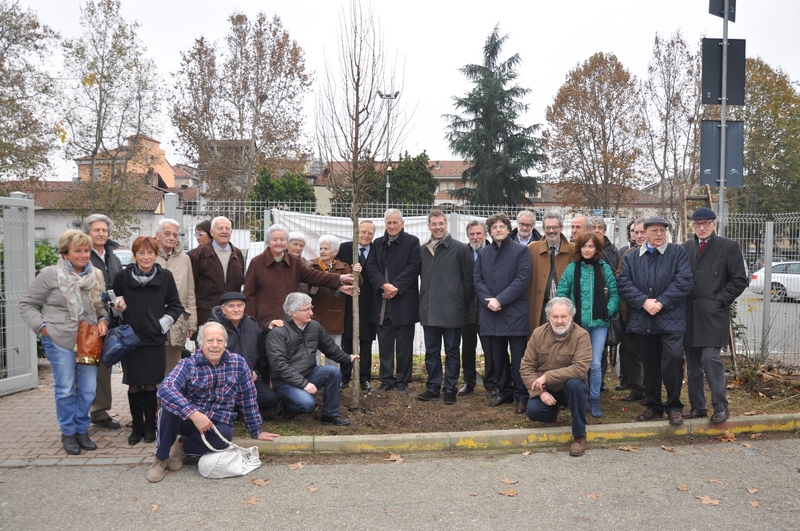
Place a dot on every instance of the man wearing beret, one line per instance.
(719, 277)
(655, 281)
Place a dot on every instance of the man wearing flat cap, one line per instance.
(719, 277)
(655, 281)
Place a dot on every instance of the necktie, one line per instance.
(550, 291)
(361, 257)
(702, 247)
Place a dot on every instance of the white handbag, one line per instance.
(229, 462)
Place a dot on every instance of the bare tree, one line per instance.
(354, 128)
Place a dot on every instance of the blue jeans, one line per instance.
(597, 336)
(574, 395)
(75, 387)
(327, 379)
(433, 358)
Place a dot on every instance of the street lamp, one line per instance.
(387, 98)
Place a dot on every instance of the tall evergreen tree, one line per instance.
(412, 182)
(487, 134)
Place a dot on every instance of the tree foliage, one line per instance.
(412, 182)
(288, 188)
(26, 92)
(593, 136)
(487, 134)
(238, 106)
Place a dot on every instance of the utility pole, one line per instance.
(722, 117)
(388, 98)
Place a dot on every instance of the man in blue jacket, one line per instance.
(655, 281)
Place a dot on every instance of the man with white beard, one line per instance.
(554, 370)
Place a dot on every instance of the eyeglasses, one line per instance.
(199, 234)
(305, 310)
(551, 228)
(498, 227)
(525, 225)
(698, 224)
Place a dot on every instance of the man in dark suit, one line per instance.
(719, 277)
(393, 268)
(366, 328)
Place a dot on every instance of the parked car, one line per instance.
(124, 255)
(785, 283)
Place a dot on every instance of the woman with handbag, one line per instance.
(63, 299)
(148, 300)
(589, 281)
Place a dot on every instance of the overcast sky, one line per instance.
(434, 38)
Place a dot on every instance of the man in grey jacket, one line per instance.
(446, 289)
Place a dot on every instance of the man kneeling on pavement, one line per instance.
(296, 377)
(554, 370)
(202, 391)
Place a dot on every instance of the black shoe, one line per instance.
(85, 442)
(717, 418)
(365, 386)
(491, 391)
(344, 385)
(428, 395)
(402, 388)
(107, 424)
(466, 389)
(136, 434)
(334, 421)
(622, 386)
(71, 445)
(449, 399)
(499, 401)
(633, 396)
(289, 417)
(385, 387)
(603, 388)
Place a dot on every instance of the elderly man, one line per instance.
(628, 349)
(203, 391)
(446, 289)
(655, 281)
(244, 335)
(719, 277)
(218, 268)
(554, 370)
(525, 232)
(172, 258)
(579, 225)
(549, 258)
(292, 357)
(471, 331)
(366, 328)
(276, 273)
(98, 227)
(393, 268)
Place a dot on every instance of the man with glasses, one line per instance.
(549, 259)
(525, 232)
(655, 281)
(719, 277)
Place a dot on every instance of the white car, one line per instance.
(785, 281)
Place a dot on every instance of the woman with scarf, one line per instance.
(150, 304)
(59, 298)
(589, 281)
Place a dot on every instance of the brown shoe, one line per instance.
(157, 470)
(675, 418)
(521, 407)
(633, 396)
(649, 414)
(719, 417)
(175, 460)
(695, 414)
(578, 447)
(499, 401)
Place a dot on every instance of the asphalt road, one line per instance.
(605, 489)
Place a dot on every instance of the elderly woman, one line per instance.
(590, 283)
(297, 243)
(59, 298)
(150, 303)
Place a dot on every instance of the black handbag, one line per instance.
(616, 330)
(119, 342)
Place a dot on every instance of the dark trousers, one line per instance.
(171, 426)
(573, 395)
(266, 397)
(469, 345)
(662, 359)
(509, 382)
(434, 335)
(365, 362)
(629, 357)
(705, 361)
(395, 341)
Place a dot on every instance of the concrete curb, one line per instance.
(515, 440)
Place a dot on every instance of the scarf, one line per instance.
(140, 276)
(433, 244)
(599, 302)
(72, 285)
(322, 265)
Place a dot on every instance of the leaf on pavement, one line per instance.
(260, 482)
(761, 395)
(750, 413)
(511, 493)
(473, 493)
(756, 436)
(508, 481)
(296, 466)
(754, 503)
(312, 488)
(683, 488)
(592, 496)
(252, 501)
(629, 448)
(727, 436)
(747, 445)
(153, 508)
(752, 490)
(526, 453)
(714, 480)
(668, 448)
(706, 500)
(394, 458)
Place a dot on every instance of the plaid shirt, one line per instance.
(196, 385)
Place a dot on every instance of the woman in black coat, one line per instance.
(150, 304)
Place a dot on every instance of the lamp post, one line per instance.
(388, 98)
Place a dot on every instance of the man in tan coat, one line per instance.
(554, 370)
(549, 258)
(171, 257)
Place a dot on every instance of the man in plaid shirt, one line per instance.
(201, 392)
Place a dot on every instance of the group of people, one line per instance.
(281, 332)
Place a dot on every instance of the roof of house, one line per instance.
(65, 195)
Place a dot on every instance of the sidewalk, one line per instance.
(29, 434)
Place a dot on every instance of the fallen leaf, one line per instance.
(683, 488)
(727, 436)
(296, 466)
(752, 490)
(136, 498)
(394, 458)
(252, 501)
(153, 508)
(260, 482)
(473, 493)
(747, 445)
(386, 511)
(526, 453)
(668, 448)
(754, 503)
(508, 481)
(312, 488)
(451, 512)
(717, 481)
(761, 395)
(756, 435)
(592, 496)
(706, 500)
(511, 493)
(750, 413)
(629, 448)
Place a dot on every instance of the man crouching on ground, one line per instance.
(296, 377)
(554, 370)
(200, 392)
